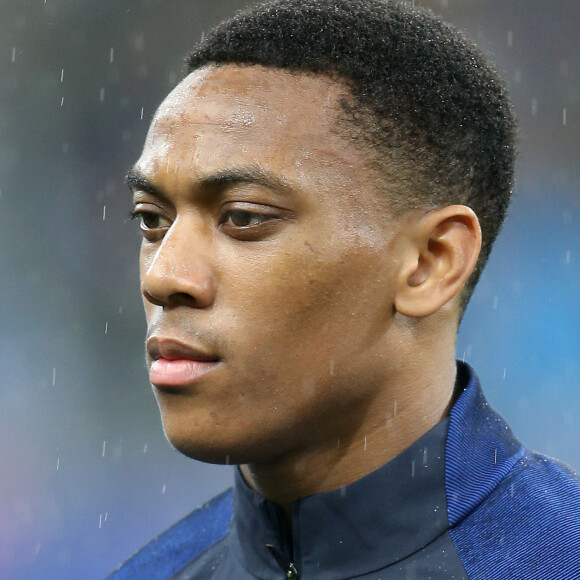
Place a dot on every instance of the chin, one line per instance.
(207, 448)
(217, 456)
(227, 449)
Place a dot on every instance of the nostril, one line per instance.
(172, 300)
(183, 299)
(152, 299)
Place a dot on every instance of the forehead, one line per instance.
(231, 95)
(250, 114)
(220, 118)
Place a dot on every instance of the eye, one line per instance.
(251, 221)
(152, 224)
(244, 219)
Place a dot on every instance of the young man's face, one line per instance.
(267, 266)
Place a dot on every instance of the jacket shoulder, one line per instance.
(184, 541)
(528, 527)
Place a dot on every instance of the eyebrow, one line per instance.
(137, 181)
(252, 174)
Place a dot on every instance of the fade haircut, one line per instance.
(432, 111)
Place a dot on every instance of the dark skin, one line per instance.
(328, 324)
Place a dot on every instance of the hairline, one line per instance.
(392, 190)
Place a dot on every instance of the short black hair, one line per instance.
(433, 109)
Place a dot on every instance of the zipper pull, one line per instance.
(291, 572)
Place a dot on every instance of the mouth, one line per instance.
(175, 364)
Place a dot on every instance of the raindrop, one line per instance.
(62, 101)
(395, 409)
(331, 367)
(104, 447)
(106, 327)
(61, 75)
(13, 54)
(145, 448)
(413, 468)
(100, 521)
(112, 55)
(425, 456)
(495, 457)
(139, 43)
(102, 94)
(227, 459)
(106, 515)
(53, 376)
(37, 549)
(504, 372)
(57, 463)
(104, 212)
(365, 445)
(141, 112)
(564, 116)
(568, 257)
(163, 489)
(337, 443)
(510, 38)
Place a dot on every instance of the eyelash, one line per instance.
(246, 214)
(225, 220)
(141, 215)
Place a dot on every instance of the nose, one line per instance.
(178, 271)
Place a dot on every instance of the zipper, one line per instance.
(289, 568)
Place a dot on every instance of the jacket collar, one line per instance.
(388, 514)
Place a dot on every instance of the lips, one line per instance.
(175, 364)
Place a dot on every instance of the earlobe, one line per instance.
(441, 252)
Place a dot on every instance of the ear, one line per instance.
(441, 252)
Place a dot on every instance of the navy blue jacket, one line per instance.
(465, 501)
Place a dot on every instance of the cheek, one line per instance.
(311, 295)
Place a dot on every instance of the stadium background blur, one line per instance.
(86, 476)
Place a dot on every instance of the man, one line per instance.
(317, 199)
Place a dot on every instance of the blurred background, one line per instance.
(86, 476)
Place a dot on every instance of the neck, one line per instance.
(404, 413)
